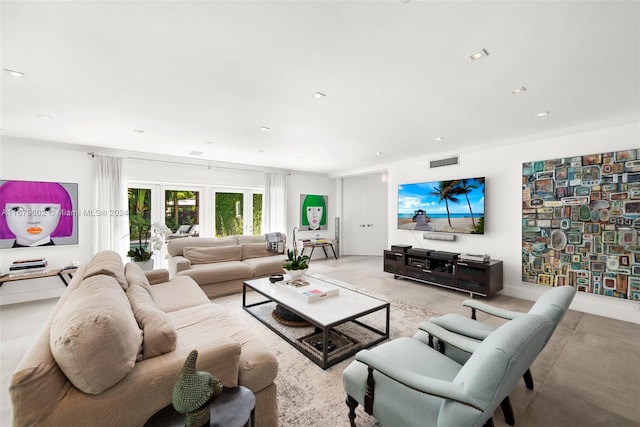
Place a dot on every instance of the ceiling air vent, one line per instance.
(443, 162)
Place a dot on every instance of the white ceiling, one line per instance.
(395, 73)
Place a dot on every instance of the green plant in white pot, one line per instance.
(157, 233)
(296, 264)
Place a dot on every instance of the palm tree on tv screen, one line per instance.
(466, 186)
(447, 191)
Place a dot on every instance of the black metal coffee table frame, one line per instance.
(325, 361)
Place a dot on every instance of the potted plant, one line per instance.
(151, 237)
(295, 264)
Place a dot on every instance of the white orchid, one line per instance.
(159, 233)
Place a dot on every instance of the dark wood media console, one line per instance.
(444, 269)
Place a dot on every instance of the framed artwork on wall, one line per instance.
(313, 212)
(581, 223)
(38, 213)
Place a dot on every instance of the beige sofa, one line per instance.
(111, 351)
(220, 265)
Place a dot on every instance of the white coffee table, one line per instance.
(327, 316)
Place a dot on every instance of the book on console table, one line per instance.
(311, 292)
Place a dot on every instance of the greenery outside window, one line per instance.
(139, 217)
(181, 207)
(231, 212)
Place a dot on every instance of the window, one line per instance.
(139, 216)
(238, 213)
(203, 211)
(257, 214)
(181, 209)
(229, 211)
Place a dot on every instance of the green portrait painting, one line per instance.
(313, 212)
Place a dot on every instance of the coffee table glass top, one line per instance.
(326, 311)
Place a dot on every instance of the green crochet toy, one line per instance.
(194, 391)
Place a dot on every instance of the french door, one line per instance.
(364, 213)
(237, 212)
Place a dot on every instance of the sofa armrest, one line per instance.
(177, 264)
(160, 275)
(142, 393)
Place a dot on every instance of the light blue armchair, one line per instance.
(404, 382)
(553, 303)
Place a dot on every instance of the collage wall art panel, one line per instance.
(581, 223)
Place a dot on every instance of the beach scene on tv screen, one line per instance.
(454, 206)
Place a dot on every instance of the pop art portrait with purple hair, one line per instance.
(36, 213)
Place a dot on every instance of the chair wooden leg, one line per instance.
(370, 392)
(528, 379)
(352, 404)
(507, 410)
(489, 423)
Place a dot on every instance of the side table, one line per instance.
(235, 407)
(323, 245)
(60, 272)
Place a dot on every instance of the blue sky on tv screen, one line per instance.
(412, 197)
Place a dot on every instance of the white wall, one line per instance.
(502, 167)
(33, 161)
(24, 159)
(298, 183)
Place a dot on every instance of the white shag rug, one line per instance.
(308, 395)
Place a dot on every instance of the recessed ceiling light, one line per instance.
(14, 73)
(440, 138)
(478, 55)
(519, 90)
(265, 128)
(379, 153)
(319, 95)
(44, 116)
(196, 153)
(543, 113)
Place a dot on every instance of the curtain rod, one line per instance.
(208, 166)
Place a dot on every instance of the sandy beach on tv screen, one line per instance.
(458, 225)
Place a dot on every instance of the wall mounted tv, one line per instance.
(455, 206)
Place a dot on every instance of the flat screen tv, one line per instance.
(454, 206)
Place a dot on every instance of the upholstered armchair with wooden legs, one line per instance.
(404, 382)
(554, 303)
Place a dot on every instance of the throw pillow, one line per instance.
(251, 239)
(255, 250)
(135, 276)
(109, 263)
(159, 335)
(94, 337)
(213, 254)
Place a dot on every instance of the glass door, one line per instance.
(182, 211)
(238, 212)
(139, 220)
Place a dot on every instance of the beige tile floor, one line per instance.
(588, 375)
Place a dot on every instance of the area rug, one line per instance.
(308, 395)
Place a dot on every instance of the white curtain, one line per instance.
(274, 203)
(111, 219)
